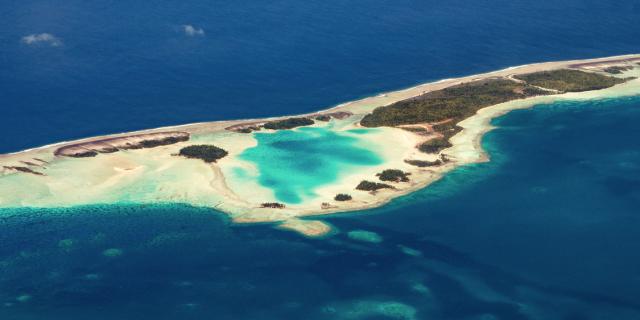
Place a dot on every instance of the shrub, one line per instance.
(447, 129)
(422, 163)
(434, 145)
(394, 175)
(567, 80)
(456, 103)
(342, 197)
(274, 205)
(207, 153)
(289, 123)
(617, 69)
(372, 186)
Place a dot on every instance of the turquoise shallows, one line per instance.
(293, 163)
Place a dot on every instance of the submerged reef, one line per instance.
(112, 252)
(371, 309)
(364, 236)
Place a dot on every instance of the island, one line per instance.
(291, 170)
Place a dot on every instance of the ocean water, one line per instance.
(128, 65)
(294, 163)
(547, 230)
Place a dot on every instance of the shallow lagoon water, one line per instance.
(293, 163)
(546, 230)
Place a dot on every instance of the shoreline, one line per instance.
(549, 65)
(466, 148)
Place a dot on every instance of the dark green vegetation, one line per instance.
(372, 186)
(285, 124)
(456, 103)
(84, 154)
(415, 129)
(249, 129)
(149, 144)
(617, 69)
(447, 129)
(208, 153)
(434, 145)
(273, 205)
(422, 163)
(342, 197)
(464, 100)
(566, 80)
(288, 123)
(394, 175)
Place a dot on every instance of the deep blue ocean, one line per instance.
(549, 229)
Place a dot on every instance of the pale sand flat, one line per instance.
(156, 175)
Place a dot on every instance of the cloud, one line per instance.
(42, 38)
(192, 31)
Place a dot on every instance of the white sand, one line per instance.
(157, 175)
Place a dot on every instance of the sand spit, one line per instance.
(153, 175)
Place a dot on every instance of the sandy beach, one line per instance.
(157, 175)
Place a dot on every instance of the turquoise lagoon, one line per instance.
(548, 230)
(294, 163)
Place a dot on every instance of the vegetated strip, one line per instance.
(288, 123)
(205, 152)
(342, 197)
(567, 80)
(372, 186)
(451, 105)
(394, 175)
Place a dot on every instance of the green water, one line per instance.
(293, 163)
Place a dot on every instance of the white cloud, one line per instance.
(192, 31)
(42, 38)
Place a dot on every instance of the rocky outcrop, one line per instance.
(132, 142)
(23, 170)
